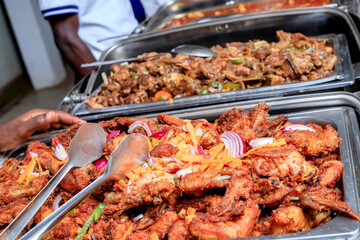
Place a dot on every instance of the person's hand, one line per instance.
(17, 131)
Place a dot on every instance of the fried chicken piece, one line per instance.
(288, 220)
(146, 190)
(317, 218)
(179, 231)
(112, 143)
(45, 156)
(282, 162)
(319, 143)
(196, 183)
(11, 190)
(70, 226)
(204, 203)
(237, 121)
(320, 198)
(9, 211)
(78, 178)
(240, 185)
(330, 173)
(240, 226)
(150, 216)
(8, 170)
(161, 227)
(113, 229)
(170, 120)
(164, 150)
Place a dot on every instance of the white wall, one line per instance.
(34, 38)
(10, 66)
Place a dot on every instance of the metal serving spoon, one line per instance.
(85, 147)
(133, 149)
(187, 49)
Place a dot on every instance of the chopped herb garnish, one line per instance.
(73, 211)
(161, 98)
(270, 73)
(204, 91)
(236, 61)
(231, 85)
(133, 74)
(175, 181)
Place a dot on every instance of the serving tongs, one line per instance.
(133, 150)
(86, 146)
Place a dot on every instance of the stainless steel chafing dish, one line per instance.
(181, 12)
(323, 21)
(341, 110)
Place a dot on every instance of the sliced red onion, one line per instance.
(192, 149)
(140, 123)
(172, 170)
(60, 152)
(159, 134)
(291, 128)
(114, 133)
(185, 129)
(145, 165)
(100, 163)
(200, 150)
(183, 172)
(35, 174)
(166, 159)
(234, 143)
(221, 178)
(56, 202)
(32, 154)
(198, 132)
(151, 160)
(261, 141)
(178, 161)
(138, 217)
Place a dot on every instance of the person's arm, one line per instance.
(15, 132)
(65, 30)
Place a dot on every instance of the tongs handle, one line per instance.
(19, 223)
(47, 224)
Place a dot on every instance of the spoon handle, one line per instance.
(19, 223)
(47, 224)
(97, 64)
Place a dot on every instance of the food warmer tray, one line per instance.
(257, 26)
(179, 8)
(340, 111)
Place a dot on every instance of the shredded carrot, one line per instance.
(38, 162)
(190, 211)
(122, 183)
(196, 167)
(187, 165)
(149, 143)
(215, 151)
(154, 236)
(27, 172)
(182, 213)
(192, 158)
(189, 218)
(191, 130)
(277, 143)
(159, 173)
(203, 167)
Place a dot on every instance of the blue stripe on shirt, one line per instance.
(60, 8)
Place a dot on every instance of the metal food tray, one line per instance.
(257, 26)
(340, 111)
(343, 75)
(179, 8)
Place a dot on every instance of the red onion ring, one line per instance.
(56, 202)
(114, 133)
(172, 170)
(298, 127)
(60, 152)
(234, 143)
(140, 123)
(261, 141)
(100, 163)
(159, 134)
(183, 172)
(200, 150)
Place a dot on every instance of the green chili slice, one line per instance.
(204, 91)
(231, 85)
(133, 74)
(94, 217)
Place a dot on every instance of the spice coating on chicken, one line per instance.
(198, 182)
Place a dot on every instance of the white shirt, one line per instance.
(99, 19)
